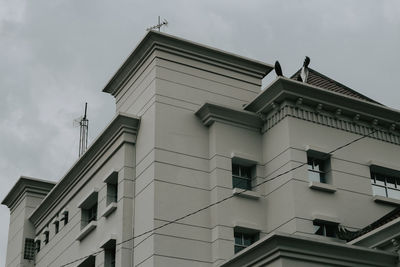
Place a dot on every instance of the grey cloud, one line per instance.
(55, 55)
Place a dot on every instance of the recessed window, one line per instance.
(88, 262)
(56, 226)
(243, 240)
(112, 187)
(242, 176)
(88, 208)
(37, 245)
(325, 229)
(89, 215)
(316, 169)
(29, 249)
(46, 234)
(109, 254)
(385, 185)
(64, 217)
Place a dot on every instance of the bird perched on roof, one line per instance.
(304, 70)
(278, 69)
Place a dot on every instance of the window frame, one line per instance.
(111, 181)
(242, 177)
(89, 208)
(325, 225)
(29, 249)
(251, 235)
(323, 161)
(385, 185)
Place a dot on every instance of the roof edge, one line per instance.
(339, 84)
(121, 123)
(282, 245)
(284, 87)
(209, 113)
(154, 39)
(25, 184)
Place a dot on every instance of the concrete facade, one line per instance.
(185, 113)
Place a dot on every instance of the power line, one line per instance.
(223, 199)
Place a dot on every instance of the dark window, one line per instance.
(29, 249)
(65, 217)
(316, 170)
(56, 227)
(385, 185)
(88, 262)
(241, 176)
(243, 240)
(46, 237)
(89, 214)
(37, 245)
(109, 257)
(325, 229)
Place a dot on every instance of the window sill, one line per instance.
(86, 230)
(109, 209)
(246, 194)
(322, 187)
(386, 200)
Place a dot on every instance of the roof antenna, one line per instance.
(304, 70)
(83, 123)
(278, 69)
(158, 25)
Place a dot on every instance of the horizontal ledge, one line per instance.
(322, 187)
(86, 230)
(109, 209)
(245, 193)
(386, 200)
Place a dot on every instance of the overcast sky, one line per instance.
(56, 55)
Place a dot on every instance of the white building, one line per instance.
(192, 128)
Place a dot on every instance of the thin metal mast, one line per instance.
(83, 136)
(158, 25)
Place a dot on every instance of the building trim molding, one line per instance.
(210, 113)
(157, 40)
(26, 185)
(330, 119)
(280, 246)
(124, 127)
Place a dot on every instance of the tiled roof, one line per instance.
(317, 79)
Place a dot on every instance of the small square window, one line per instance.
(88, 208)
(325, 229)
(112, 187)
(316, 169)
(243, 240)
(88, 215)
(242, 176)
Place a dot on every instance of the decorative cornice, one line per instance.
(123, 125)
(210, 113)
(330, 119)
(157, 40)
(26, 185)
(284, 89)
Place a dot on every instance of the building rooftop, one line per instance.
(317, 79)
